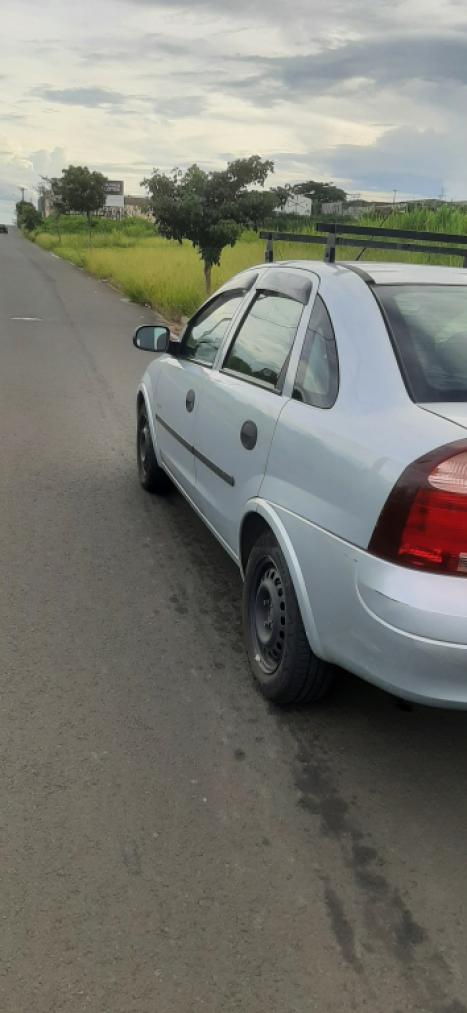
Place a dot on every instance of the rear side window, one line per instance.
(263, 343)
(428, 326)
(317, 380)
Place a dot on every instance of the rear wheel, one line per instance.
(284, 666)
(152, 477)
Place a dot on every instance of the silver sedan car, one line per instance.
(315, 417)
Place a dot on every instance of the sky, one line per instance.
(370, 94)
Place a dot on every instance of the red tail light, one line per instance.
(424, 522)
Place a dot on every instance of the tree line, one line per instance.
(208, 208)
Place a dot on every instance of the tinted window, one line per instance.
(317, 377)
(262, 346)
(428, 324)
(204, 335)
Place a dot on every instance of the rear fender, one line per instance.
(267, 512)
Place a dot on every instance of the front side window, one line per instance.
(428, 326)
(317, 380)
(263, 343)
(206, 332)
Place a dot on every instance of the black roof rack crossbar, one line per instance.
(339, 234)
(375, 244)
(292, 237)
(286, 237)
(342, 229)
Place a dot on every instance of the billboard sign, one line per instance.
(114, 187)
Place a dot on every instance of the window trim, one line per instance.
(303, 356)
(254, 381)
(232, 293)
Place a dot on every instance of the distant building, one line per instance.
(335, 207)
(138, 207)
(44, 203)
(340, 208)
(115, 199)
(354, 209)
(297, 204)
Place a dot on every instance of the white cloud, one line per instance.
(335, 88)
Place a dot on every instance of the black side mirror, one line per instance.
(152, 338)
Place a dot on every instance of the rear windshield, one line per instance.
(428, 325)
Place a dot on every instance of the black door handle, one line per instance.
(249, 434)
(190, 400)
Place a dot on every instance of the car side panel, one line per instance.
(175, 426)
(228, 402)
(335, 468)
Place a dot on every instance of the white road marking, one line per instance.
(26, 318)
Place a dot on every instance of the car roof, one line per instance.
(383, 273)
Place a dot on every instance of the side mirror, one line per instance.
(152, 339)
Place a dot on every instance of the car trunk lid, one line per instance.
(453, 411)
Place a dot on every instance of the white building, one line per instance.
(138, 207)
(297, 204)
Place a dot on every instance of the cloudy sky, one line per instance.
(369, 93)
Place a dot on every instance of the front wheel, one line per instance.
(284, 666)
(152, 477)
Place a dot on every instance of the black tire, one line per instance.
(283, 664)
(152, 477)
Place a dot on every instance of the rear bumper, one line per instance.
(412, 603)
(402, 630)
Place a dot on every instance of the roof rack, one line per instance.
(340, 234)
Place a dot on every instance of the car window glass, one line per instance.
(428, 324)
(204, 336)
(317, 377)
(265, 338)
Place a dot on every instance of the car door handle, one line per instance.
(249, 434)
(190, 400)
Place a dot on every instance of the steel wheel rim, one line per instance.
(268, 616)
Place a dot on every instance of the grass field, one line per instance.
(169, 276)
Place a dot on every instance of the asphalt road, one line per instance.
(168, 842)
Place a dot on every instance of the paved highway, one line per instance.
(168, 842)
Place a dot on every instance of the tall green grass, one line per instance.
(169, 276)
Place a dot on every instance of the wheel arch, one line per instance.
(260, 516)
(142, 397)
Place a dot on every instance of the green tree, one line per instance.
(282, 195)
(320, 193)
(211, 208)
(78, 189)
(27, 216)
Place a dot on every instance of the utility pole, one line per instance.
(394, 196)
(22, 188)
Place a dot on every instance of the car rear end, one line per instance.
(422, 529)
(384, 555)
(412, 583)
